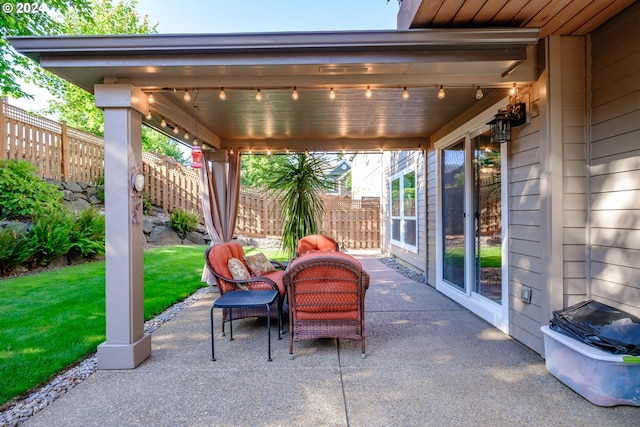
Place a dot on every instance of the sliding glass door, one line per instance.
(487, 200)
(453, 214)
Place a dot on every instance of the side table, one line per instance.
(238, 299)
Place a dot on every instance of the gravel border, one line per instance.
(407, 272)
(18, 412)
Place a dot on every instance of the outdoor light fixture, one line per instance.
(368, 92)
(405, 94)
(163, 123)
(151, 98)
(186, 97)
(222, 96)
(332, 94)
(196, 155)
(513, 90)
(513, 115)
(441, 93)
(176, 130)
(186, 135)
(294, 94)
(258, 96)
(479, 93)
(148, 116)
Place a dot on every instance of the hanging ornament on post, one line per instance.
(196, 156)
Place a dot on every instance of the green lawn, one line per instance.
(491, 256)
(53, 319)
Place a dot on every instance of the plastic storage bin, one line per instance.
(602, 378)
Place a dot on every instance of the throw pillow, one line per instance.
(259, 264)
(237, 269)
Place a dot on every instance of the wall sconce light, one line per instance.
(196, 156)
(513, 115)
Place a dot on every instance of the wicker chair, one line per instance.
(316, 242)
(326, 293)
(217, 258)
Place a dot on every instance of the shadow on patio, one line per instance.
(429, 362)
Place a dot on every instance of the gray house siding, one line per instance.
(614, 166)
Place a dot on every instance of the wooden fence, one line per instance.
(66, 154)
(355, 224)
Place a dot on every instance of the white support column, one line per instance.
(126, 344)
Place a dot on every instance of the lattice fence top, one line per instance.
(19, 114)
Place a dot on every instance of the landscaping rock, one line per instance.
(195, 238)
(72, 186)
(163, 236)
(147, 225)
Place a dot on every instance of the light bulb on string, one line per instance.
(513, 90)
(368, 93)
(176, 130)
(294, 94)
(163, 123)
(151, 98)
(259, 96)
(222, 96)
(441, 93)
(332, 94)
(479, 93)
(186, 97)
(405, 94)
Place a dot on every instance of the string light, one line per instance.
(186, 96)
(368, 92)
(148, 116)
(513, 90)
(176, 130)
(186, 135)
(222, 96)
(479, 93)
(163, 123)
(294, 94)
(269, 152)
(151, 98)
(231, 151)
(332, 94)
(258, 96)
(405, 94)
(441, 93)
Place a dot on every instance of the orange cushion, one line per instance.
(316, 242)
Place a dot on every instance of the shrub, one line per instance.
(100, 190)
(16, 247)
(184, 222)
(51, 232)
(22, 193)
(87, 235)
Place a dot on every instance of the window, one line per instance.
(404, 221)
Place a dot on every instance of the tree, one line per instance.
(300, 183)
(257, 170)
(14, 22)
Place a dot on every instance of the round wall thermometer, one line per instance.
(138, 181)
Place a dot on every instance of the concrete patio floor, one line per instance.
(429, 362)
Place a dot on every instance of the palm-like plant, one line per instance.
(299, 183)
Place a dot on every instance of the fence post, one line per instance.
(165, 186)
(4, 149)
(65, 162)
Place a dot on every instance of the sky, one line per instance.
(241, 16)
(246, 16)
